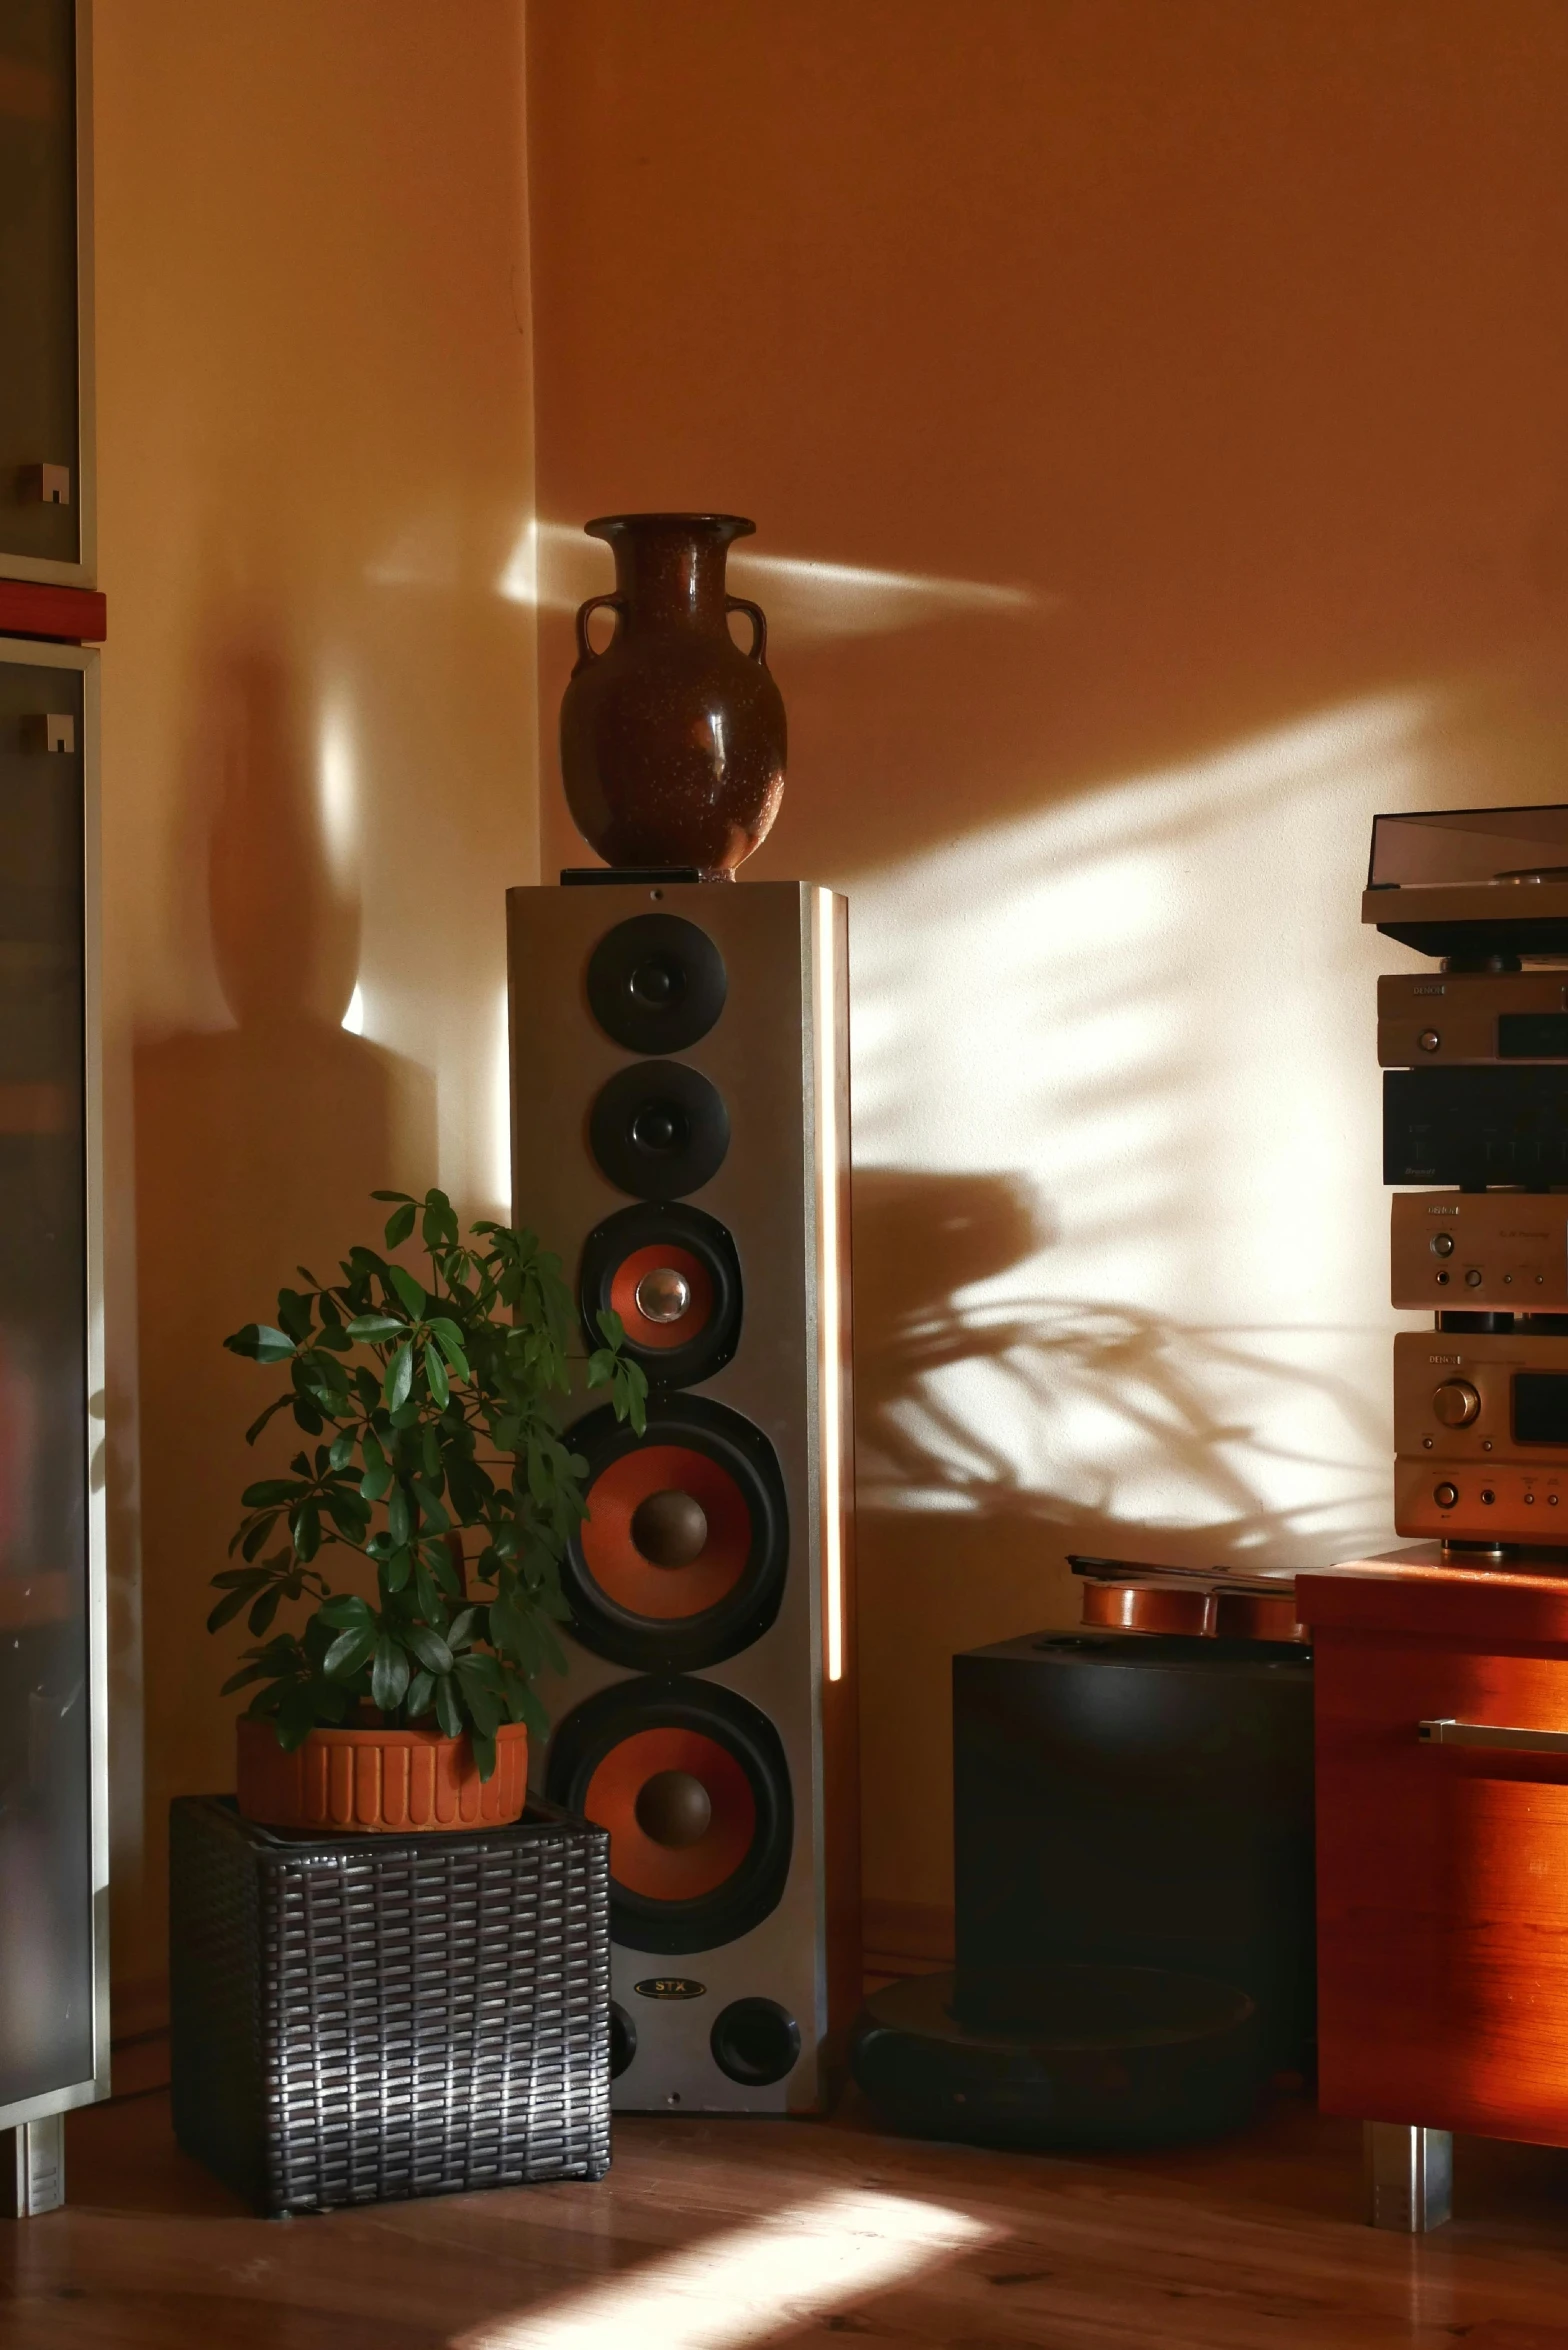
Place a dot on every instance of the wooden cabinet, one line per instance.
(46, 423)
(1442, 1857)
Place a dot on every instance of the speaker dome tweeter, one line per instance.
(670, 1529)
(663, 1295)
(656, 984)
(659, 1129)
(675, 1809)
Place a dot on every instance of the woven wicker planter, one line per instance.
(379, 1782)
(361, 2017)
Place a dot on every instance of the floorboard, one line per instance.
(706, 2236)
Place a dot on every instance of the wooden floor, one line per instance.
(707, 2235)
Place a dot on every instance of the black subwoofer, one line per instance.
(1136, 1801)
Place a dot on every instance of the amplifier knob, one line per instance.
(1429, 1040)
(1442, 1244)
(1456, 1403)
(1445, 1496)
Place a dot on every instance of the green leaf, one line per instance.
(270, 1492)
(449, 1338)
(257, 1534)
(226, 1610)
(400, 1377)
(406, 1196)
(389, 1671)
(408, 1289)
(431, 1650)
(435, 1372)
(421, 1690)
(371, 1329)
(400, 1514)
(448, 1712)
(265, 1609)
(349, 1651)
(611, 1327)
(483, 1743)
(438, 1227)
(295, 1314)
(399, 1224)
(305, 1525)
(261, 1343)
(347, 1611)
(398, 1567)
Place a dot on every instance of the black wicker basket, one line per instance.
(356, 2018)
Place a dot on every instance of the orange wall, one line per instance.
(1179, 392)
(315, 463)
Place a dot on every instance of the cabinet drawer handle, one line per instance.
(1492, 1734)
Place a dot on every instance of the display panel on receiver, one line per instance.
(1424, 1019)
(1476, 1126)
(1495, 1251)
(1481, 1396)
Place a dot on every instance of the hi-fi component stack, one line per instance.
(680, 1116)
(1475, 1098)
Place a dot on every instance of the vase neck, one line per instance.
(670, 573)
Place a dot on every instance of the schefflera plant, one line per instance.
(432, 1404)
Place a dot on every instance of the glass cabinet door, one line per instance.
(40, 459)
(47, 1618)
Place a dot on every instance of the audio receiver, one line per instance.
(1493, 1251)
(1481, 1396)
(1471, 1016)
(1502, 1502)
(1476, 1126)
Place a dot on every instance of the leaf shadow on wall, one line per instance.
(257, 1146)
(955, 1546)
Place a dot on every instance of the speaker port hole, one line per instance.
(756, 2042)
(623, 2039)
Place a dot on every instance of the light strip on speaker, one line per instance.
(829, 1326)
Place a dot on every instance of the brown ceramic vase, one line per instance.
(672, 738)
(379, 1781)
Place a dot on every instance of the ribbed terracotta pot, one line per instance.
(379, 1782)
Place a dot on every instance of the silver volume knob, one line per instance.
(1456, 1403)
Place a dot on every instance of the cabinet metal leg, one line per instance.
(32, 2168)
(1409, 2176)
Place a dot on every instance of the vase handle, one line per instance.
(585, 651)
(759, 623)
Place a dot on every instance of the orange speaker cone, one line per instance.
(685, 1870)
(634, 1582)
(644, 1265)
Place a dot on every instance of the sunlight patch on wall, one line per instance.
(554, 565)
(748, 2285)
(1121, 1238)
(338, 796)
(500, 1166)
(354, 1018)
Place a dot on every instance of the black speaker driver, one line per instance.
(672, 1273)
(677, 1607)
(696, 1717)
(755, 2041)
(656, 983)
(659, 1129)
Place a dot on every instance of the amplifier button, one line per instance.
(1442, 1244)
(1429, 1040)
(1456, 1403)
(1445, 1496)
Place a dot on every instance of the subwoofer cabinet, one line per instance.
(54, 2040)
(680, 1111)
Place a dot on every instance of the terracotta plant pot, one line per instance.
(379, 1782)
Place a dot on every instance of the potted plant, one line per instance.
(433, 1457)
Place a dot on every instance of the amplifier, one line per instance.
(1481, 1396)
(1472, 1016)
(1496, 1250)
(1486, 1502)
(1476, 1126)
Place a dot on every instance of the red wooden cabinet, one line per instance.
(1442, 1860)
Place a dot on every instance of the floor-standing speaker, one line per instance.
(680, 1122)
